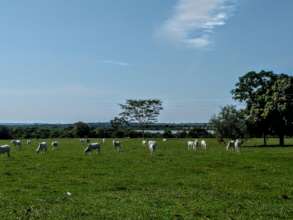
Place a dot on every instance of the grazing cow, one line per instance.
(55, 144)
(237, 145)
(144, 142)
(195, 144)
(152, 145)
(234, 144)
(117, 145)
(91, 147)
(203, 144)
(43, 146)
(28, 141)
(16, 143)
(164, 140)
(5, 149)
(190, 145)
(230, 144)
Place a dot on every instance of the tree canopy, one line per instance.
(268, 100)
(81, 129)
(229, 123)
(141, 111)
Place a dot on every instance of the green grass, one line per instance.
(172, 184)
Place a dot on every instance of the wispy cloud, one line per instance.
(115, 62)
(193, 21)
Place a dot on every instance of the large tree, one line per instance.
(118, 123)
(81, 129)
(279, 105)
(268, 101)
(229, 123)
(141, 111)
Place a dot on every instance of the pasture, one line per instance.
(173, 183)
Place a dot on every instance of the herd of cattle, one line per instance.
(89, 147)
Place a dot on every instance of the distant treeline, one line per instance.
(102, 130)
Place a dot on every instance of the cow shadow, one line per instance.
(268, 146)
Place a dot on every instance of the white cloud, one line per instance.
(114, 62)
(193, 21)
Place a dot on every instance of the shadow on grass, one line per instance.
(267, 146)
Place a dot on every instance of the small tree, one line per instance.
(143, 112)
(229, 123)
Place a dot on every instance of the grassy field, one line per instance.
(172, 184)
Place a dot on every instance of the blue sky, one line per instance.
(71, 60)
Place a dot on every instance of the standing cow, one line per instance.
(152, 145)
(42, 147)
(55, 145)
(5, 149)
(117, 145)
(91, 147)
(235, 144)
(16, 143)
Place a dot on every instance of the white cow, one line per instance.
(16, 143)
(5, 149)
(91, 147)
(43, 146)
(28, 141)
(103, 140)
(165, 140)
(237, 145)
(55, 144)
(230, 144)
(152, 145)
(203, 144)
(190, 145)
(234, 144)
(144, 142)
(117, 145)
(195, 144)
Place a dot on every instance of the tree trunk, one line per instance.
(282, 139)
(282, 130)
(264, 139)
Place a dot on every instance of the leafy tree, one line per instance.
(198, 132)
(252, 89)
(143, 112)
(268, 99)
(17, 132)
(4, 133)
(182, 134)
(44, 133)
(168, 134)
(279, 105)
(118, 123)
(119, 133)
(81, 130)
(103, 133)
(229, 123)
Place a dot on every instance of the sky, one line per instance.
(64, 61)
